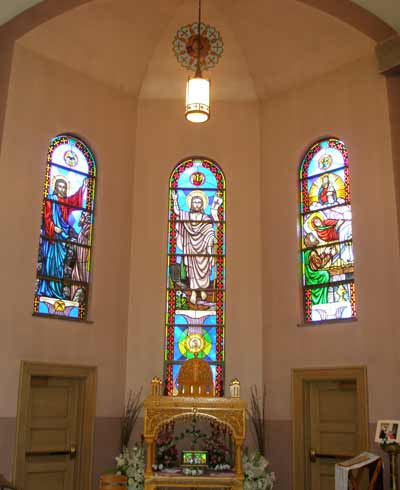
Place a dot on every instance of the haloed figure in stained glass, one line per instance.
(196, 238)
(55, 222)
(327, 192)
(327, 241)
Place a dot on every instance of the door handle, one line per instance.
(314, 454)
(71, 452)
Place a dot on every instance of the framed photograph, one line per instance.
(194, 458)
(387, 431)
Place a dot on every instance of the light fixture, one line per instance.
(198, 89)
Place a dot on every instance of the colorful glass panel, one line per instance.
(63, 266)
(326, 233)
(195, 299)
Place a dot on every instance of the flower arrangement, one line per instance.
(167, 452)
(257, 474)
(131, 463)
(215, 443)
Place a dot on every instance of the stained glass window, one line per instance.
(63, 266)
(195, 320)
(326, 233)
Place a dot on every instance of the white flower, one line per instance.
(257, 475)
(120, 460)
(131, 463)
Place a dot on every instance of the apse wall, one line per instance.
(45, 99)
(351, 104)
(164, 137)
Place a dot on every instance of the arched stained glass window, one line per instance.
(195, 319)
(63, 267)
(326, 233)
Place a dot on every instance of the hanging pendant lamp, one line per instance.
(198, 89)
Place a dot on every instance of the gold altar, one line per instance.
(159, 410)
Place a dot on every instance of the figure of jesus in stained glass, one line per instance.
(196, 238)
(196, 270)
(65, 240)
(57, 229)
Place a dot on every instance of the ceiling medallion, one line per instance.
(185, 46)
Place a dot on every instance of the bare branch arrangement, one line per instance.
(256, 413)
(131, 413)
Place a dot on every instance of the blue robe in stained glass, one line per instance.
(55, 222)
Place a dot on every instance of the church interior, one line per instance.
(292, 73)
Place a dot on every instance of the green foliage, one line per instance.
(110, 470)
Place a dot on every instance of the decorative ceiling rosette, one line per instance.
(185, 46)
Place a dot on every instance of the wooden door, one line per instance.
(53, 431)
(330, 423)
(333, 429)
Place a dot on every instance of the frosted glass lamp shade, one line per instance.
(197, 100)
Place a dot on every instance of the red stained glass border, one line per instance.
(219, 273)
(305, 207)
(54, 143)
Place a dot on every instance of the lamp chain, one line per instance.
(198, 42)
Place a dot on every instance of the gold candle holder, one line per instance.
(234, 388)
(156, 386)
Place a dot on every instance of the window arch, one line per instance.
(195, 302)
(63, 267)
(326, 233)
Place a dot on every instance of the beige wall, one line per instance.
(46, 99)
(393, 87)
(231, 138)
(350, 103)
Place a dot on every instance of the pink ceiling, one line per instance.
(270, 46)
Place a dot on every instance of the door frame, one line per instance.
(88, 376)
(300, 377)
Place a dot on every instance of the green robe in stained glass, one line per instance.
(318, 295)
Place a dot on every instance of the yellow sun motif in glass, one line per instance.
(333, 180)
(194, 344)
